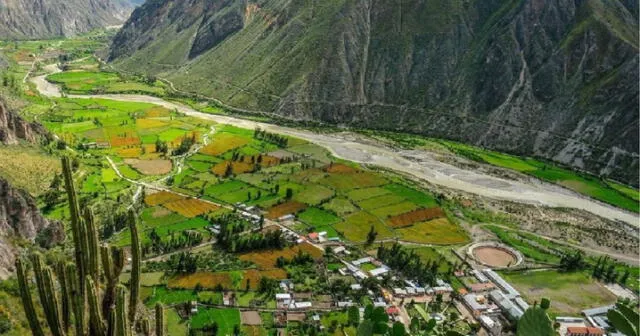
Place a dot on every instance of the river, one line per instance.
(418, 163)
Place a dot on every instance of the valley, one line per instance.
(253, 225)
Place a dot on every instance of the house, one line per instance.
(313, 236)
(322, 236)
(286, 218)
(302, 305)
(356, 287)
(339, 249)
(478, 275)
(393, 310)
(584, 331)
(194, 307)
(399, 292)
(481, 287)
(508, 307)
(283, 300)
(494, 327)
(507, 289)
(379, 271)
(362, 261)
(477, 304)
(345, 304)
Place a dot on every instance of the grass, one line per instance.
(340, 206)
(438, 232)
(527, 248)
(318, 217)
(569, 293)
(393, 210)
(226, 319)
(175, 325)
(412, 195)
(618, 195)
(356, 227)
(313, 194)
(366, 193)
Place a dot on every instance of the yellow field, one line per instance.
(190, 207)
(161, 198)
(438, 231)
(228, 280)
(224, 142)
(237, 167)
(130, 153)
(157, 111)
(150, 123)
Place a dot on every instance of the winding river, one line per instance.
(418, 163)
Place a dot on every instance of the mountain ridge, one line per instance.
(29, 19)
(552, 79)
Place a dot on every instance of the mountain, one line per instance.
(556, 79)
(28, 19)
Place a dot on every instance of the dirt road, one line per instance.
(417, 163)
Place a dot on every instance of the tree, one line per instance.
(365, 328)
(289, 193)
(354, 316)
(545, 303)
(371, 236)
(398, 329)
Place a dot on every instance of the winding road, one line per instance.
(418, 163)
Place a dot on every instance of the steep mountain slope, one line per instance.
(26, 19)
(552, 78)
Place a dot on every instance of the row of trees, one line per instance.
(158, 245)
(605, 270)
(85, 295)
(233, 243)
(280, 140)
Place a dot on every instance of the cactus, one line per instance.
(78, 300)
(93, 251)
(67, 298)
(134, 284)
(145, 325)
(112, 264)
(122, 326)
(27, 302)
(48, 298)
(76, 222)
(159, 319)
(95, 313)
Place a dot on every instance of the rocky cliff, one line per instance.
(557, 79)
(13, 128)
(27, 19)
(20, 219)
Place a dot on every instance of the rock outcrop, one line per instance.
(28, 19)
(13, 128)
(20, 219)
(556, 79)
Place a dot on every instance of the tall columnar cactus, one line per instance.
(66, 296)
(134, 284)
(112, 264)
(145, 325)
(76, 221)
(93, 249)
(97, 325)
(77, 301)
(159, 319)
(122, 326)
(47, 293)
(27, 302)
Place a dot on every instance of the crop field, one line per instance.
(161, 197)
(236, 168)
(339, 168)
(569, 292)
(367, 193)
(362, 179)
(151, 167)
(340, 206)
(356, 226)
(266, 259)
(223, 142)
(28, 168)
(393, 210)
(225, 319)
(228, 280)
(86, 78)
(285, 209)
(190, 207)
(438, 232)
(318, 217)
(416, 216)
(314, 194)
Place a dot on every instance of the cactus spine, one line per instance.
(27, 302)
(122, 326)
(159, 319)
(112, 264)
(95, 312)
(134, 284)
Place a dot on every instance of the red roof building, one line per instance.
(313, 236)
(584, 331)
(392, 311)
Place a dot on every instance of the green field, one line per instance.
(84, 82)
(226, 319)
(318, 217)
(569, 293)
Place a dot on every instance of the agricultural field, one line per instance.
(225, 319)
(267, 259)
(86, 78)
(569, 292)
